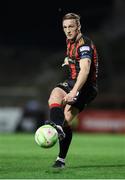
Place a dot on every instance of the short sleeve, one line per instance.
(85, 51)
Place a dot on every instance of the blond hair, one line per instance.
(72, 16)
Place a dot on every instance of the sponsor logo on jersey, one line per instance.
(65, 84)
(84, 48)
(84, 53)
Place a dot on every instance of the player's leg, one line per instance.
(70, 113)
(63, 147)
(56, 110)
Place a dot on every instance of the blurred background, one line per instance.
(32, 49)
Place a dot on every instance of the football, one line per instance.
(46, 136)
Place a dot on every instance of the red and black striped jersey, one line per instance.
(79, 50)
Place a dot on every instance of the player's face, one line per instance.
(70, 28)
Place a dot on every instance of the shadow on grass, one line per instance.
(98, 166)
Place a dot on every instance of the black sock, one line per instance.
(57, 115)
(65, 143)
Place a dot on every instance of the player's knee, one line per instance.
(56, 96)
(49, 101)
(52, 100)
(52, 97)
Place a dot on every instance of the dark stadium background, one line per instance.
(32, 47)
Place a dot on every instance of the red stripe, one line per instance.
(55, 105)
(71, 50)
(73, 70)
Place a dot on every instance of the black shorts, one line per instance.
(86, 94)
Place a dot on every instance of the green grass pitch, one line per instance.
(91, 156)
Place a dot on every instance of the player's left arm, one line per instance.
(81, 79)
(85, 53)
(82, 76)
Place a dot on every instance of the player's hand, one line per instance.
(65, 62)
(70, 98)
